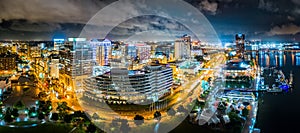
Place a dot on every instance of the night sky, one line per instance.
(268, 20)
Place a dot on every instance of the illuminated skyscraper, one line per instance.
(143, 52)
(8, 62)
(131, 51)
(77, 60)
(183, 48)
(240, 44)
(103, 49)
(58, 43)
(54, 66)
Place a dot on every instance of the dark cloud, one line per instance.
(268, 5)
(211, 7)
(6, 24)
(45, 18)
(289, 29)
(296, 2)
(75, 11)
(35, 27)
(148, 26)
(291, 18)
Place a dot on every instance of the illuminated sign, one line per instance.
(76, 39)
(59, 40)
(105, 42)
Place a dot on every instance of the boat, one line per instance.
(274, 90)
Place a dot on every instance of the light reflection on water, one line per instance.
(278, 106)
(277, 59)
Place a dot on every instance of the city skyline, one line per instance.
(265, 20)
(157, 66)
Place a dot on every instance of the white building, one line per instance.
(54, 68)
(58, 43)
(183, 48)
(127, 86)
(78, 60)
(103, 49)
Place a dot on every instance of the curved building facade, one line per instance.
(121, 86)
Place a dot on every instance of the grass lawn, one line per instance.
(44, 128)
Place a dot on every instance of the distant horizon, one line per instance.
(121, 40)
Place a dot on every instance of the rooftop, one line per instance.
(237, 65)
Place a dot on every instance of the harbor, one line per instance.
(274, 107)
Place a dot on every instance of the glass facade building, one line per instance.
(123, 86)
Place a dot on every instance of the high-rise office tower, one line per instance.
(240, 44)
(78, 59)
(54, 66)
(143, 52)
(183, 48)
(103, 49)
(131, 51)
(58, 43)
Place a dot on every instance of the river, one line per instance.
(280, 113)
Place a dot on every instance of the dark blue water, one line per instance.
(277, 113)
(281, 113)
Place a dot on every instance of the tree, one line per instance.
(41, 103)
(41, 116)
(222, 106)
(234, 118)
(54, 117)
(1, 113)
(15, 112)
(78, 114)
(32, 112)
(63, 106)
(19, 105)
(68, 118)
(235, 122)
(91, 128)
(245, 112)
(8, 116)
(62, 114)
(48, 103)
(157, 115)
(44, 109)
(138, 120)
(42, 94)
(171, 112)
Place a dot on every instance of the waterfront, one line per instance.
(276, 112)
(280, 112)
